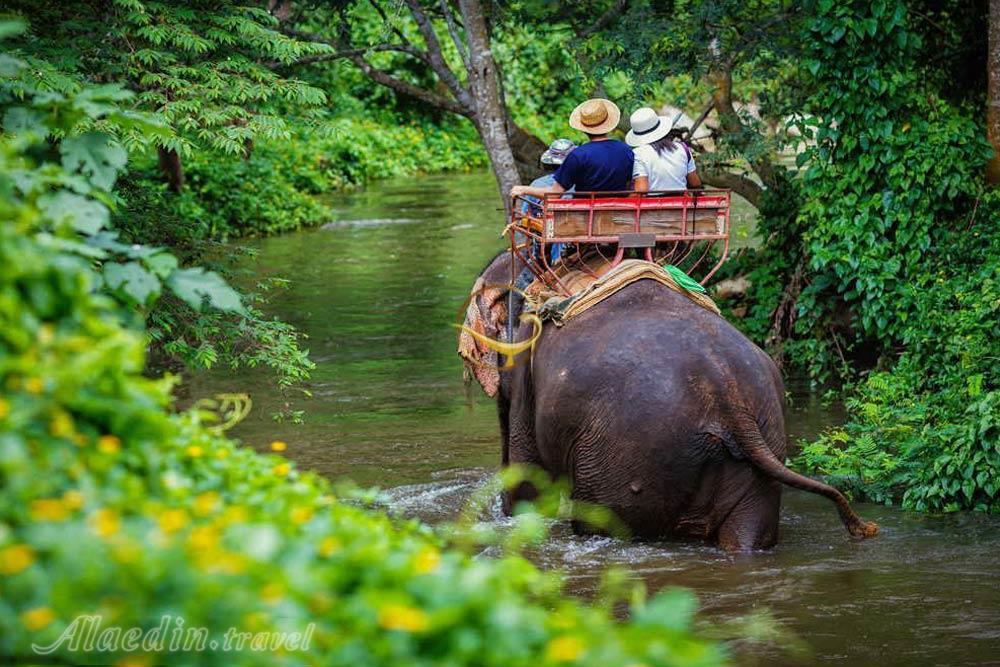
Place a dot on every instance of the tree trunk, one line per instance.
(170, 165)
(489, 115)
(729, 122)
(527, 149)
(993, 93)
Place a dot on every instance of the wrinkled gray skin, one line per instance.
(659, 410)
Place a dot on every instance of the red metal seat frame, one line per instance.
(526, 228)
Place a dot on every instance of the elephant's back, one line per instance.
(650, 344)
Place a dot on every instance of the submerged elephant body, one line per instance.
(661, 411)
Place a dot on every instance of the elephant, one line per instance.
(657, 409)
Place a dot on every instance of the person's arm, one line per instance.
(640, 176)
(522, 190)
(693, 179)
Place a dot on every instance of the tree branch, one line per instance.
(701, 119)
(346, 53)
(436, 56)
(741, 185)
(400, 86)
(729, 121)
(388, 23)
(449, 19)
(356, 56)
(604, 19)
(407, 48)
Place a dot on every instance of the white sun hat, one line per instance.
(647, 127)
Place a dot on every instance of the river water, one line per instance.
(376, 291)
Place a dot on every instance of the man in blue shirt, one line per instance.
(602, 165)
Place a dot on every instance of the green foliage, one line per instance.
(927, 433)
(205, 339)
(273, 191)
(902, 257)
(77, 194)
(891, 163)
(201, 67)
(111, 505)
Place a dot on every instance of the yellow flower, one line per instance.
(302, 514)
(109, 444)
(281, 469)
(15, 558)
(46, 334)
(73, 499)
(203, 538)
(4, 408)
(278, 446)
(221, 454)
(172, 520)
(37, 618)
(79, 439)
(271, 592)
(61, 425)
(427, 560)
(133, 661)
(195, 451)
(563, 649)
(34, 385)
(329, 546)
(205, 503)
(229, 563)
(402, 617)
(47, 509)
(235, 514)
(104, 522)
(125, 551)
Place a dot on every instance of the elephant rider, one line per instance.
(551, 159)
(662, 163)
(601, 165)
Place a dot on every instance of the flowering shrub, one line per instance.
(111, 506)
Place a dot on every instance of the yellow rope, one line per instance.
(509, 350)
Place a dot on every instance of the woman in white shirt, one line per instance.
(661, 163)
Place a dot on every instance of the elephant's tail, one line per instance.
(752, 444)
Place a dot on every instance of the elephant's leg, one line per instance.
(520, 447)
(753, 521)
(520, 453)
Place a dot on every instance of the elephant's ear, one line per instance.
(486, 315)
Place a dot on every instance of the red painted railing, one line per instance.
(682, 228)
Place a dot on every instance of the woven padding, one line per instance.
(561, 310)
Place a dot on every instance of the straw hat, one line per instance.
(647, 127)
(595, 116)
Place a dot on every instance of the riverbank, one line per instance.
(275, 189)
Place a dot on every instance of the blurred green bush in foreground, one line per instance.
(112, 506)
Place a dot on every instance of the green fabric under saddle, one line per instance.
(684, 280)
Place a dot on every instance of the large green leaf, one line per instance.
(133, 280)
(162, 264)
(86, 215)
(19, 120)
(196, 286)
(96, 155)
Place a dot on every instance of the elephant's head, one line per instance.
(484, 330)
